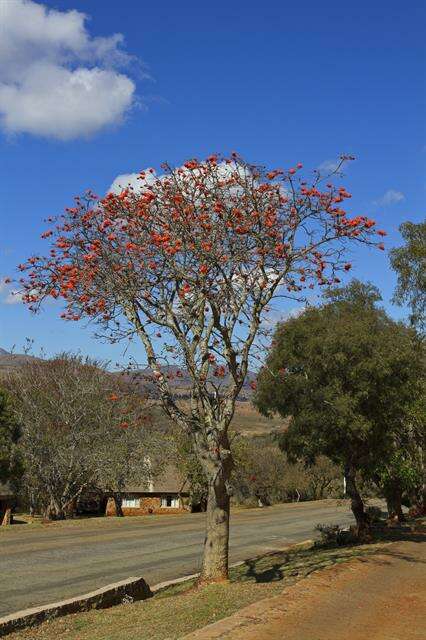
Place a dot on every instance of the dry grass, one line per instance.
(179, 610)
(248, 421)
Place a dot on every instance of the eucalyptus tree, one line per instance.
(349, 377)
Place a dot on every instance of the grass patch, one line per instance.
(178, 610)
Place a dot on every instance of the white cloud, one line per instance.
(7, 296)
(328, 166)
(130, 180)
(55, 79)
(390, 197)
(13, 297)
(273, 316)
(3, 286)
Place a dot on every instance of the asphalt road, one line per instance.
(39, 565)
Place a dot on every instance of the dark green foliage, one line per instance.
(374, 514)
(351, 379)
(347, 374)
(409, 262)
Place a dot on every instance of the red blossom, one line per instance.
(190, 243)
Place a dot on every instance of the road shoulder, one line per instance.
(380, 596)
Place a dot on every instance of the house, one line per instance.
(169, 493)
(6, 503)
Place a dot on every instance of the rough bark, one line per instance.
(357, 504)
(7, 517)
(54, 510)
(216, 542)
(394, 505)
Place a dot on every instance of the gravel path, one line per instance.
(382, 597)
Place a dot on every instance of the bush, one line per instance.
(416, 511)
(263, 475)
(374, 514)
(333, 535)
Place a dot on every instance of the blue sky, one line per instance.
(280, 82)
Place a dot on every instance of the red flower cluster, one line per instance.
(209, 228)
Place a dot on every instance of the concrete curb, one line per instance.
(128, 590)
(125, 591)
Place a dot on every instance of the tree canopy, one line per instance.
(409, 262)
(80, 428)
(348, 375)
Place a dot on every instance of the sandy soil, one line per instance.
(382, 597)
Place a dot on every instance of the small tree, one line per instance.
(409, 262)
(75, 421)
(349, 377)
(323, 478)
(263, 473)
(10, 467)
(132, 454)
(193, 259)
(259, 471)
(191, 470)
(397, 476)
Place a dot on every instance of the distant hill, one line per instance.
(10, 361)
(246, 420)
(180, 381)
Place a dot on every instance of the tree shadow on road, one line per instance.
(290, 565)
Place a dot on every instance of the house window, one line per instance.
(170, 502)
(131, 503)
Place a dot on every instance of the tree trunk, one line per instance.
(422, 503)
(6, 518)
(394, 505)
(32, 504)
(357, 504)
(216, 542)
(118, 502)
(54, 510)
